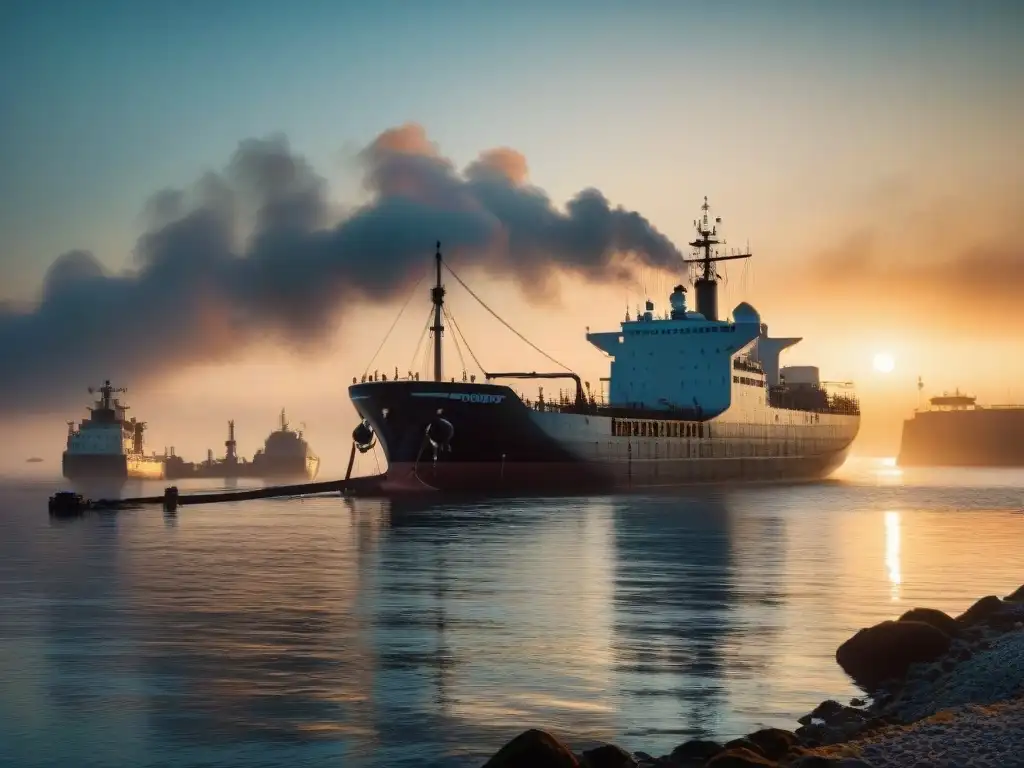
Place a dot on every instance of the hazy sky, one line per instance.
(870, 152)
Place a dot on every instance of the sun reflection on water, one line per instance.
(887, 472)
(892, 553)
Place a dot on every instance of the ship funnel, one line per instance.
(707, 297)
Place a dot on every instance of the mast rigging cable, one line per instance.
(469, 349)
(399, 317)
(455, 339)
(423, 335)
(502, 321)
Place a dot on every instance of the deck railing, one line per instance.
(814, 399)
(806, 398)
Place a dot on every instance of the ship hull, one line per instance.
(277, 469)
(84, 466)
(501, 445)
(982, 437)
(566, 477)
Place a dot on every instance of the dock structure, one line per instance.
(69, 504)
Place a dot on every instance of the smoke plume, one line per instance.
(256, 252)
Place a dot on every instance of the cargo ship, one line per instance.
(285, 454)
(691, 398)
(107, 445)
(954, 431)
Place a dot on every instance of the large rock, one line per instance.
(981, 611)
(935, 617)
(1017, 596)
(608, 756)
(743, 743)
(885, 651)
(827, 711)
(695, 752)
(774, 743)
(534, 749)
(992, 614)
(740, 758)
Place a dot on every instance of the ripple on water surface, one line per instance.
(329, 632)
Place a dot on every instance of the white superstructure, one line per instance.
(107, 431)
(691, 398)
(108, 443)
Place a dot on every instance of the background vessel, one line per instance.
(956, 431)
(285, 453)
(107, 445)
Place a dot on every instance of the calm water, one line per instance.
(326, 632)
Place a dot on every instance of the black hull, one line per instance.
(501, 445)
(603, 477)
(110, 467)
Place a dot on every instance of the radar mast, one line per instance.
(706, 284)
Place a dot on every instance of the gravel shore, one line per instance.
(940, 692)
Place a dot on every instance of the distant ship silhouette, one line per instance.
(955, 431)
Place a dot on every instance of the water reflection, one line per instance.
(672, 598)
(892, 553)
(248, 629)
(510, 620)
(342, 624)
(87, 669)
(377, 633)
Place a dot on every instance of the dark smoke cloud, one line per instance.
(255, 253)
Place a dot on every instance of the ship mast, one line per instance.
(706, 284)
(106, 401)
(437, 297)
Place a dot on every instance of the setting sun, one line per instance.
(883, 363)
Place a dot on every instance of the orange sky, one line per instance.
(845, 320)
(933, 284)
(872, 160)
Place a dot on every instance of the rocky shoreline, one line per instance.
(940, 692)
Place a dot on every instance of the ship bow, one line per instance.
(458, 436)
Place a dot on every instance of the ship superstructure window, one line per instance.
(663, 331)
(658, 428)
(748, 381)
